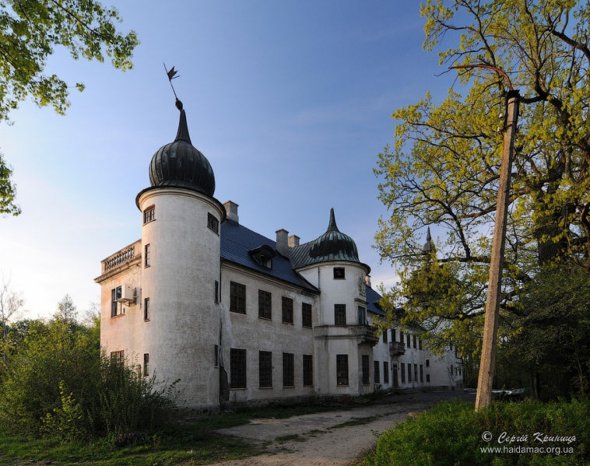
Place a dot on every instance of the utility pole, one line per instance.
(488, 350)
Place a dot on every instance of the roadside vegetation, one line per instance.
(452, 433)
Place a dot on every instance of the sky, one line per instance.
(290, 101)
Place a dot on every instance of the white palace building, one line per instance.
(233, 316)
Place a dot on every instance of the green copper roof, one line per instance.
(333, 245)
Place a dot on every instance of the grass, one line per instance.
(185, 443)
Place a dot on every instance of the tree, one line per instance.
(66, 310)
(444, 165)
(10, 304)
(29, 32)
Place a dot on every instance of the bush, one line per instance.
(58, 383)
(451, 434)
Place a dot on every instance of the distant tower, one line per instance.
(429, 247)
(181, 269)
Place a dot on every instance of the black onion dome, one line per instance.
(180, 164)
(333, 245)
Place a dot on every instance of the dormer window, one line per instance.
(263, 255)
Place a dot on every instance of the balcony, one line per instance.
(360, 333)
(396, 348)
(117, 261)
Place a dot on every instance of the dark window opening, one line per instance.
(420, 343)
(415, 372)
(376, 371)
(307, 370)
(427, 378)
(265, 369)
(237, 368)
(339, 273)
(287, 310)
(237, 297)
(212, 223)
(340, 314)
(392, 334)
(403, 372)
(146, 364)
(409, 340)
(149, 214)
(414, 339)
(148, 257)
(264, 305)
(385, 372)
(216, 299)
(342, 369)
(428, 363)
(288, 370)
(146, 309)
(365, 368)
(116, 294)
(409, 372)
(216, 356)
(385, 336)
(362, 316)
(306, 318)
(118, 356)
(421, 373)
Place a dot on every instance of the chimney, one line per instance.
(231, 211)
(294, 241)
(282, 242)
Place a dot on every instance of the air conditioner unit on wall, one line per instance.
(127, 294)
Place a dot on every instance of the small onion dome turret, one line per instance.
(333, 245)
(181, 165)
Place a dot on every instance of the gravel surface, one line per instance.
(330, 438)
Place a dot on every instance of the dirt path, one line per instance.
(330, 438)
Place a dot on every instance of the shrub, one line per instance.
(451, 434)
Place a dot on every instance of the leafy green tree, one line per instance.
(66, 310)
(30, 30)
(443, 167)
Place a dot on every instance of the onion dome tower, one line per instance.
(333, 245)
(181, 269)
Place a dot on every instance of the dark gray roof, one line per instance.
(333, 245)
(373, 302)
(238, 241)
(179, 164)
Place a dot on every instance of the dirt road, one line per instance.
(329, 438)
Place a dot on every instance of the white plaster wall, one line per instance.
(249, 332)
(184, 319)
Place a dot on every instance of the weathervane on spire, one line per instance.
(172, 74)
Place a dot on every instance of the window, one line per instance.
(288, 370)
(342, 369)
(340, 314)
(409, 372)
(216, 298)
(307, 370)
(392, 334)
(427, 378)
(146, 364)
(146, 309)
(362, 316)
(401, 336)
(212, 223)
(265, 369)
(118, 356)
(115, 296)
(420, 343)
(216, 356)
(409, 340)
(414, 339)
(376, 372)
(365, 369)
(287, 310)
(306, 315)
(264, 305)
(237, 368)
(149, 214)
(237, 297)
(428, 363)
(147, 254)
(385, 372)
(403, 372)
(415, 372)
(421, 373)
(339, 273)
(385, 336)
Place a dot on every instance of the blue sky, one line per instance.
(290, 101)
